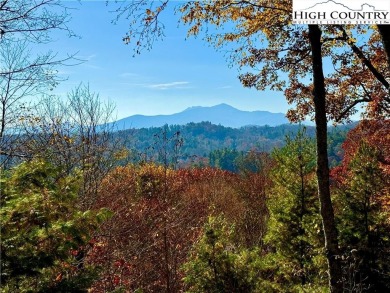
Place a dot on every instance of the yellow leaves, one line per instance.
(245, 20)
(68, 139)
(229, 37)
(194, 30)
(353, 40)
(121, 154)
(151, 15)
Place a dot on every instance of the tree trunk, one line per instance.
(326, 208)
(384, 31)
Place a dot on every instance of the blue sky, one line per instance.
(176, 74)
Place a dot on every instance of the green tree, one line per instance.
(363, 223)
(268, 43)
(294, 232)
(43, 235)
(217, 264)
(225, 159)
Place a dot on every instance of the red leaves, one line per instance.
(376, 133)
(116, 280)
(157, 217)
(119, 263)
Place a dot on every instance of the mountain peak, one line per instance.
(223, 114)
(223, 105)
(192, 108)
(219, 106)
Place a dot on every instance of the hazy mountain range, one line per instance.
(222, 114)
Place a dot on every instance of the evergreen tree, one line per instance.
(218, 265)
(225, 159)
(43, 235)
(295, 235)
(363, 223)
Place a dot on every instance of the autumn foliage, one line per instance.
(158, 215)
(374, 134)
(203, 229)
(185, 230)
(362, 200)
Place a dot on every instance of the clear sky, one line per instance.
(176, 74)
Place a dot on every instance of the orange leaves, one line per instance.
(246, 18)
(59, 277)
(360, 72)
(265, 40)
(375, 133)
(158, 215)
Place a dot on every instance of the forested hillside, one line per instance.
(257, 229)
(206, 141)
(197, 208)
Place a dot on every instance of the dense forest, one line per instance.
(150, 226)
(218, 146)
(200, 207)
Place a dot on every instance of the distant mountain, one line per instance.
(220, 114)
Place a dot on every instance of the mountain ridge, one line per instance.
(222, 114)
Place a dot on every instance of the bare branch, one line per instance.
(32, 20)
(364, 59)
